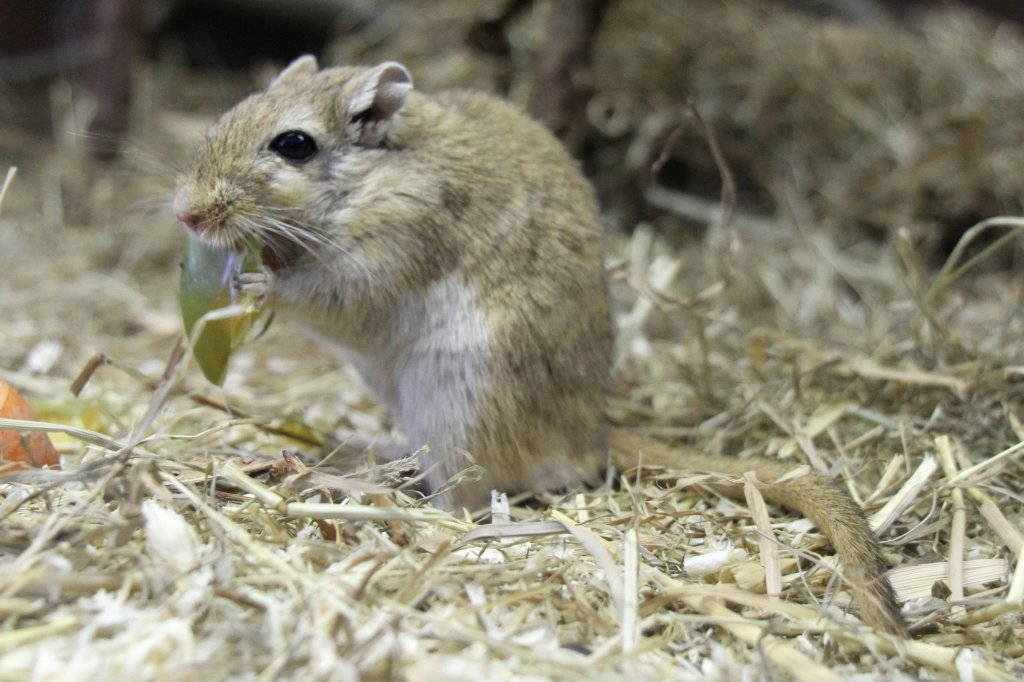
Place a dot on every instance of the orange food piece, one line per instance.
(32, 447)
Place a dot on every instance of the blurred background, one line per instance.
(882, 112)
(848, 144)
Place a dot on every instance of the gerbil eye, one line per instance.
(294, 145)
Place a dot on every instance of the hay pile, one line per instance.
(179, 543)
(872, 127)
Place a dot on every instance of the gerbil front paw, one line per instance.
(255, 286)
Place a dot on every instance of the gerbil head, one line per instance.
(260, 171)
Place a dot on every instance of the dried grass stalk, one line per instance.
(917, 581)
(908, 494)
(766, 541)
(958, 529)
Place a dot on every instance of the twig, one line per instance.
(301, 433)
(1002, 526)
(950, 272)
(958, 529)
(970, 472)
(907, 495)
(766, 540)
(729, 195)
(84, 435)
(630, 590)
(914, 581)
(8, 180)
(350, 512)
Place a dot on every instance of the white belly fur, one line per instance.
(429, 366)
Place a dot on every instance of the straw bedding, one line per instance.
(839, 313)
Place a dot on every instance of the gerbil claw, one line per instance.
(255, 285)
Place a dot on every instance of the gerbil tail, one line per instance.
(827, 506)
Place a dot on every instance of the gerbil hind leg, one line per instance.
(347, 453)
(427, 476)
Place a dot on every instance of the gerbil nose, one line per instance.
(189, 217)
(185, 209)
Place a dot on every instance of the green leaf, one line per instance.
(206, 287)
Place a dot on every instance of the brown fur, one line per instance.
(452, 249)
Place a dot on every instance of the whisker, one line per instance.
(310, 238)
(303, 236)
(289, 234)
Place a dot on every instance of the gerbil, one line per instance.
(451, 248)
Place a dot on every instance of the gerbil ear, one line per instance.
(302, 66)
(380, 92)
